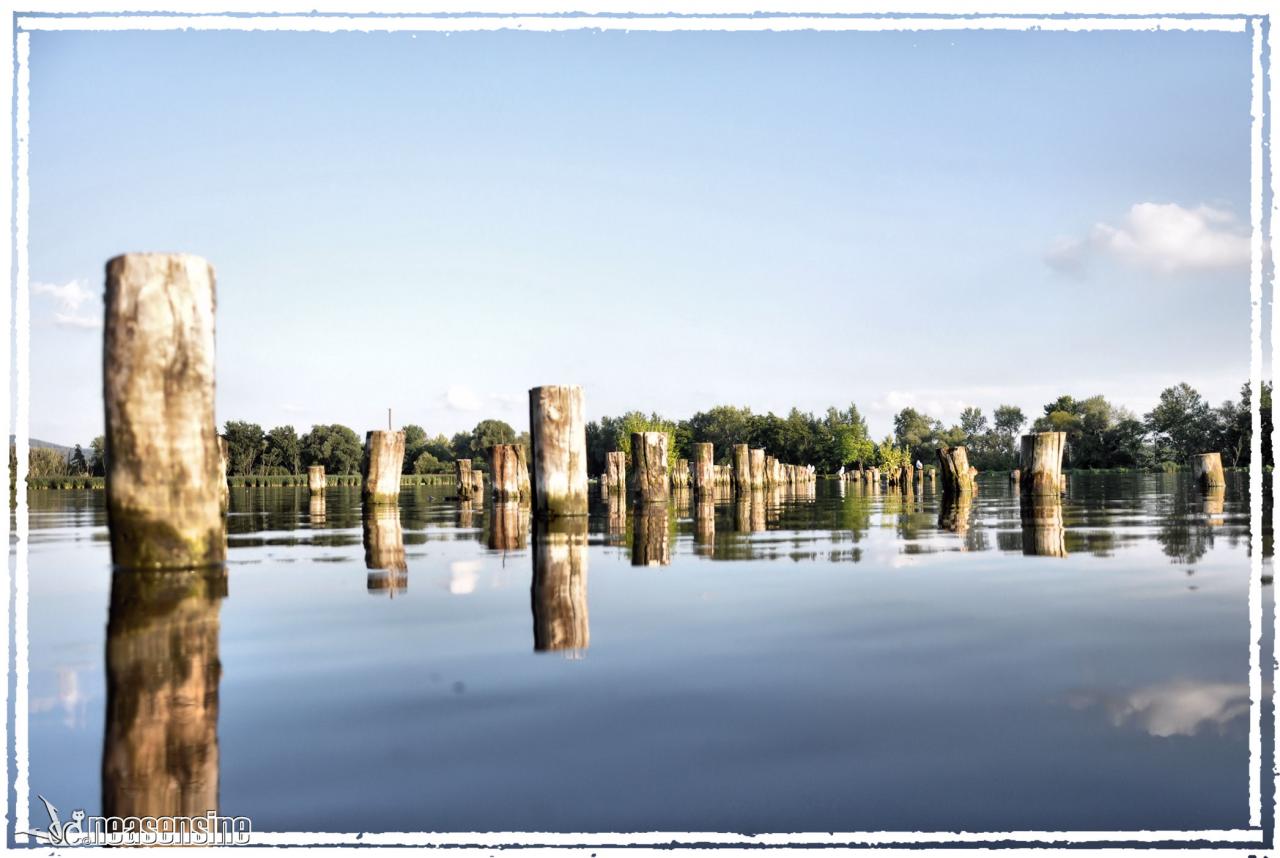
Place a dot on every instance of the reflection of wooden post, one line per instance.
(381, 466)
(383, 538)
(559, 590)
(953, 512)
(704, 469)
(954, 464)
(1207, 468)
(160, 750)
(165, 482)
(756, 458)
(558, 464)
(462, 468)
(757, 512)
(742, 468)
(504, 471)
(1215, 498)
(1041, 465)
(651, 539)
(649, 480)
(316, 509)
(616, 515)
(1043, 534)
(315, 479)
(1015, 476)
(704, 525)
(508, 524)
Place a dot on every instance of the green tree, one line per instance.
(77, 462)
(1181, 424)
(283, 450)
(415, 443)
(98, 456)
(334, 446)
(47, 462)
(425, 463)
(245, 445)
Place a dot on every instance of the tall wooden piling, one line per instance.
(1207, 468)
(650, 482)
(165, 482)
(954, 464)
(477, 481)
(742, 468)
(558, 462)
(464, 484)
(315, 479)
(680, 475)
(381, 466)
(757, 459)
(704, 468)
(614, 477)
(1041, 464)
(504, 472)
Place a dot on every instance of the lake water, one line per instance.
(836, 661)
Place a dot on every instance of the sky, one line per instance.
(437, 222)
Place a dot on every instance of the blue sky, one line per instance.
(436, 222)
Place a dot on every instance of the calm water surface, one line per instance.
(840, 661)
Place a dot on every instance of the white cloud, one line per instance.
(71, 320)
(1161, 237)
(1177, 708)
(69, 296)
(460, 398)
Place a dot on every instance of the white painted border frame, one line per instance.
(1249, 21)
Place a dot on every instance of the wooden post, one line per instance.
(704, 469)
(1015, 476)
(477, 481)
(559, 589)
(522, 465)
(680, 476)
(1207, 468)
(462, 468)
(381, 466)
(954, 464)
(757, 467)
(315, 479)
(165, 482)
(1041, 465)
(742, 468)
(558, 463)
(160, 753)
(649, 480)
(504, 471)
(615, 470)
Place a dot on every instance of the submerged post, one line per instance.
(615, 472)
(165, 482)
(757, 458)
(1041, 465)
(315, 479)
(704, 468)
(462, 469)
(956, 476)
(742, 468)
(504, 471)
(649, 480)
(380, 468)
(559, 460)
(1207, 468)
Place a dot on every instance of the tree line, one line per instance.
(1099, 435)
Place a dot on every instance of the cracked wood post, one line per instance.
(165, 482)
(477, 481)
(614, 477)
(1041, 465)
(559, 590)
(504, 471)
(558, 464)
(522, 473)
(649, 480)
(954, 464)
(704, 469)
(1207, 468)
(756, 458)
(742, 468)
(462, 468)
(381, 466)
(680, 477)
(315, 479)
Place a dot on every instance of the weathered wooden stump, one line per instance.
(704, 468)
(464, 485)
(1041, 464)
(649, 480)
(741, 468)
(160, 752)
(1207, 468)
(522, 466)
(1043, 534)
(165, 482)
(504, 472)
(615, 471)
(381, 466)
(316, 482)
(1015, 476)
(680, 475)
(957, 479)
(508, 526)
(756, 458)
(477, 481)
(559, 589)
(383, 538)
(558, 461)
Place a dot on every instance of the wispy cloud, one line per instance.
(69, 298)
(1161, 237)
(461, 398)
(1180, 707)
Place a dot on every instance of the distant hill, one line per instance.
(36, 442)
